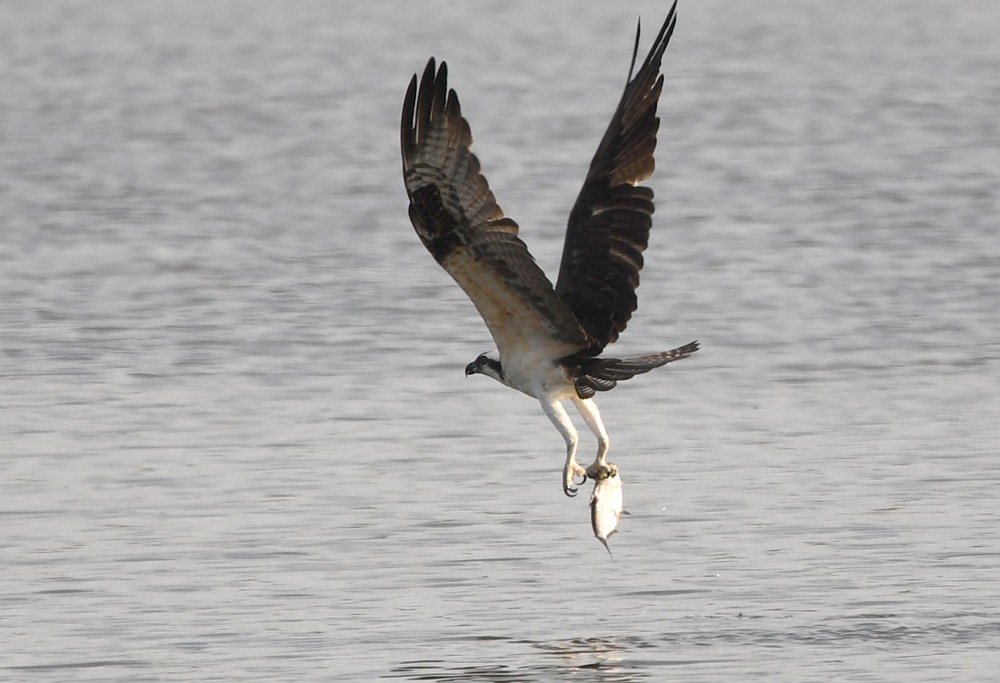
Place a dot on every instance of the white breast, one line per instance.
(536, 375)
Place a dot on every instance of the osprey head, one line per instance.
(486, 364)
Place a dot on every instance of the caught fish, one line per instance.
(606, 505)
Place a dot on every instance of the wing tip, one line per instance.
(659, 44)
(427, 97)
(407, 141)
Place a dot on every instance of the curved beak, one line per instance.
(470, 369)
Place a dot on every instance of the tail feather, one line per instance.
(602, 374)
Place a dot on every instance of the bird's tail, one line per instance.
(601, 374)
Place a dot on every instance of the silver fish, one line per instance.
(606, 505)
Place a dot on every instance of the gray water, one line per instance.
(237, 442)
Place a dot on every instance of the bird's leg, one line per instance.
(599, 469)
(564, 424)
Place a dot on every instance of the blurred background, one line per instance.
(236, 442)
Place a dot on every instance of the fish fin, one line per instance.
(605, 544)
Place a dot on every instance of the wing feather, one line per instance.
(459, 221)
(609, 225)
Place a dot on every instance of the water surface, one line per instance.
(237, 443)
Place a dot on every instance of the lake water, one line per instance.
(236, 442)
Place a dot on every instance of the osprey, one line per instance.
(549, 339)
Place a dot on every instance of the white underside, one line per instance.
(528, 343)
(548, 383)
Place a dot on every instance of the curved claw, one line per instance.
(571, 491)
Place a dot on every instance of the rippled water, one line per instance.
(237, 443)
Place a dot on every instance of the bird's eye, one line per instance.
(481, 361)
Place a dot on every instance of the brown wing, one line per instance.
(609, 225)
(458, 220)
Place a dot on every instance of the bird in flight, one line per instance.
(549, 339)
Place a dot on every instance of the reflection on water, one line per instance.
(633, 658)
(577, 659)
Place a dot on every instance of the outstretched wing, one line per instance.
(458, 220)
(609, 225)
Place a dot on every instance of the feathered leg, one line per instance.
(592, 416)
(564, 424)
